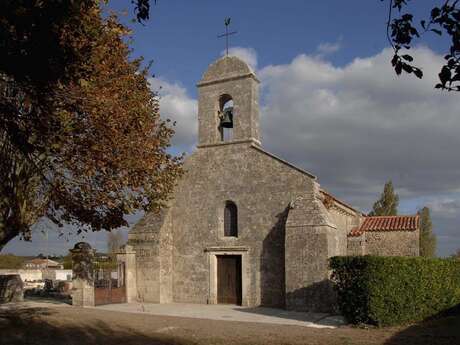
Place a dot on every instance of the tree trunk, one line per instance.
(7, 234)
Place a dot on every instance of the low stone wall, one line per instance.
(11, 288)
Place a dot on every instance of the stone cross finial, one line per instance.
(227, 23)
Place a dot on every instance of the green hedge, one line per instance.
(394, 290)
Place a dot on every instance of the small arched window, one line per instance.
(230, 219)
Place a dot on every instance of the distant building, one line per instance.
(42, 263)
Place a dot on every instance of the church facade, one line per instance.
(244, 226)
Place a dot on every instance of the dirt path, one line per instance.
(69, 326)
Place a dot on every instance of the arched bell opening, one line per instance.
(226, 117)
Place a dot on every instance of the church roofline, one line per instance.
(227, 68)
(258, 148)
(342, 203)
(215, 81)
(233, 142)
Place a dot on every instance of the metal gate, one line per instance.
(109, 283)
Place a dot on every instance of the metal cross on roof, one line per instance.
(227, 23)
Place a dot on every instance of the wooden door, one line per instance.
(229, 279)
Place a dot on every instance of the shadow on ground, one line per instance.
(48, 300)
(28, 326)
(442, 329)
(322, 319)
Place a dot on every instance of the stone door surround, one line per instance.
(242, 251)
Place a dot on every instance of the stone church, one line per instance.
(244, 226)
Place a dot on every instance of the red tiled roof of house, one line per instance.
(386, 223)
(390, 223)
(42, 262)
(355, 232)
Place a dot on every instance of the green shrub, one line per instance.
(394, 290)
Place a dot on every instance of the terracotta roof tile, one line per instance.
(390, 223)
(355, 232)
(386, 223)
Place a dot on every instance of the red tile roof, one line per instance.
(355, 232)
(387, 223)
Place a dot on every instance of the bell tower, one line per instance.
(228, 104)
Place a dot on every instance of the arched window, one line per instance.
(230, 219)
(226, 123)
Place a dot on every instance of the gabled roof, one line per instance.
(260, 149)
(42, 262)
(226, 68)
(340, 201)
(390, 223)
(386, 223)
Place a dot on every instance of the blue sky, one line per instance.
(181, 36)
(330, 102)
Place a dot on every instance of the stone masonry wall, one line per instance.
(356, 246)
(144, 238)
(392, 243)
(262, 188)
(311, 239)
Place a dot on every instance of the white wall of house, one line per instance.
(26, 275)
(63, 275)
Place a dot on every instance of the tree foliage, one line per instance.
(388, 203)
(427, 238)
(10, 261)
(402, 31)
(81, 138)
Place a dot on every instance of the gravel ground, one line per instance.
(55, 324)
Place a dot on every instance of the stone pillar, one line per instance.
(310, 241)
(11, 288)
(82, 275)
(127, 256)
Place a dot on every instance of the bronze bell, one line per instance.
(226, 120)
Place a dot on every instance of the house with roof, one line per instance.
(38, 263)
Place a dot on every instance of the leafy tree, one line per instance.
(388, 203)
(81, 139)
(401, 32)
(10, 261)
(427, 238)
(67, 262)
(457, 254)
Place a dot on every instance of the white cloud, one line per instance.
(360, 124)
(178, 106)
(328, 48)
(248, 55)
(448, 207)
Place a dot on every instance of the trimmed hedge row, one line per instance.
(387, 291)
